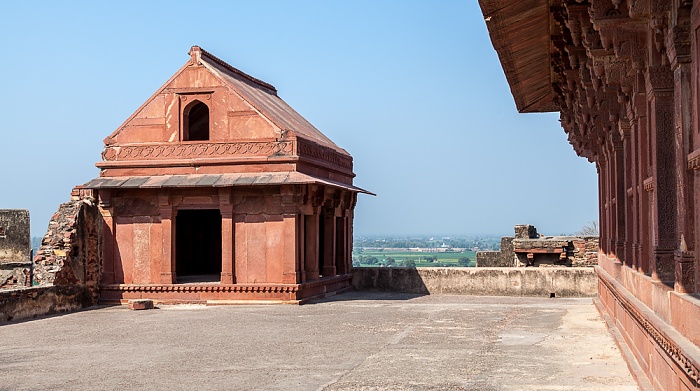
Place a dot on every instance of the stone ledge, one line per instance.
(497, 281)
(27, 303)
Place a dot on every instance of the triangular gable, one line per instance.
(266, 101)
(260, 96)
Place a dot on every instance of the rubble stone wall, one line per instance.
(503, 258)
(15, 248)
(66, 266)
(69, 252)
(528, 248)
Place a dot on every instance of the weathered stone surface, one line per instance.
(142, 304)
(15, 248)
(390, 341)
(528, 248)
(545, 282)
(26, 303)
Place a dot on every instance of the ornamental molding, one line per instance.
(669, 347)
(694, 160)
(649, 184)
(318, 152)
(192, 288)
(195, 150)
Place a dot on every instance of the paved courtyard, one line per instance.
(354, 341)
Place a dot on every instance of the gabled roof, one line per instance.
(520, 33)
(263, 97)
(259, 94)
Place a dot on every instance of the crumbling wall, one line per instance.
(503, 258)
(69, 252)
(66, 266)
(585, 251)
(529, 248)
(15, 248)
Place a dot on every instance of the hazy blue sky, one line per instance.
(412, 89)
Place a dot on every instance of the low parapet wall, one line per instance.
(27, 303)
(497, 281)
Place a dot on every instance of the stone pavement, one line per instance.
(353, 341)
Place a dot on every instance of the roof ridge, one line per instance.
(228, 67)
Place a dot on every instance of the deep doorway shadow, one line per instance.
(198, 246)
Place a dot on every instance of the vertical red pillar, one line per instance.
(227, 238)
(167, 215)
(311, 236)
(108, 233)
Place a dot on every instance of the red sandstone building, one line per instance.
(625, 76)
(215, 190)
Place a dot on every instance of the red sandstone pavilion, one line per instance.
(625, 76)
(215, 190)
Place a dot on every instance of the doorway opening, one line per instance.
(198, 246)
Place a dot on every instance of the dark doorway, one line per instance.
(198, 246)
(197, 122)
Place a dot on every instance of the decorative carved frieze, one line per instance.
(325, 154)
(194, 288)
(192, 150)
(694, 160)
(670, 347)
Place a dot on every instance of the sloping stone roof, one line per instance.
(520, 33)
(263, 97)
(215, 180)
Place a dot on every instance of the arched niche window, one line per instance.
(195, 122)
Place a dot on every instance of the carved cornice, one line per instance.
(670, 347)
(196, 150)
(308, 149)
(694, 160)
(649, 184)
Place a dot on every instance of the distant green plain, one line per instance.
(444, 259)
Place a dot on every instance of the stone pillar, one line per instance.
(664, 208)
(628, 216)
(289, 254)
(329, 249)
(620, 192)
(311, 236)
(227, 243)
(681, 64)
(167, 223)
(644, 235)
(301, 249)
(603, 204)
(108, 233)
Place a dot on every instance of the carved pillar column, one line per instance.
(603, 202)
(664, 208)
(227, 236)
(678, 37)
(628, 195)
(619, 191)
(108, 233)
(642, 152)
(167, 223)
